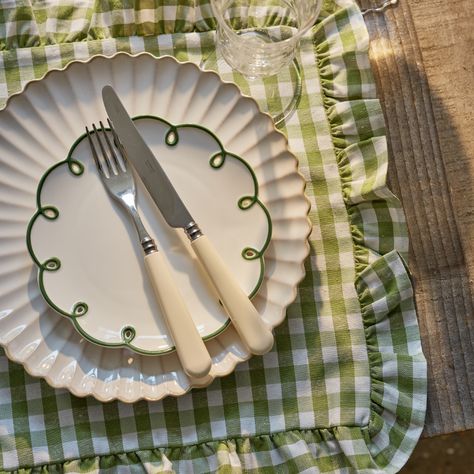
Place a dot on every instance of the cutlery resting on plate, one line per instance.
(245, 318)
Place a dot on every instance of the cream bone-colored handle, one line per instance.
(245, 318)
(190, 347)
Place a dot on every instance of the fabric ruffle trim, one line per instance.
(340, 449)
(397, 365)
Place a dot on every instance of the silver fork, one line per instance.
(120, 184)
(118, 179)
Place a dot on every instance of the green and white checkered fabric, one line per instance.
(344, 389)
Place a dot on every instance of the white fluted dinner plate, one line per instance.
(38, 128)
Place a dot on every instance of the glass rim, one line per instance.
(301, 31)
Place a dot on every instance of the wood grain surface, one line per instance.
(422, 54)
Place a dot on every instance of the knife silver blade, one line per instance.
(147, 166)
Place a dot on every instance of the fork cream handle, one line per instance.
(190, 347)
(245, 318)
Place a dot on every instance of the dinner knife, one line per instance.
(251, 328)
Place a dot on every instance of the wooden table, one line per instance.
(422, 53)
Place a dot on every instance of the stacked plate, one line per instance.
(75, 305)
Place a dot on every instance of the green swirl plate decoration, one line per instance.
(90, 267)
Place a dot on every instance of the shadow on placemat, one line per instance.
(447, 454)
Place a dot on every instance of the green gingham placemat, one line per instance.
(344, 389)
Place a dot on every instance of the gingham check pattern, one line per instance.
(344, 388)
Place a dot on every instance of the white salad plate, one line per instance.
(90, 261)
(69, 254)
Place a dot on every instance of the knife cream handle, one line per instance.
(190, 347)
(245, 318)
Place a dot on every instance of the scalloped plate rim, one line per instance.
(234, 359)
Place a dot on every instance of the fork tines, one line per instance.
(113, 156)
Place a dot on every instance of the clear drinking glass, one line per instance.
(260, 37)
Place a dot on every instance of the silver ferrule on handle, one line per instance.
(148, 245)
(192, 231)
